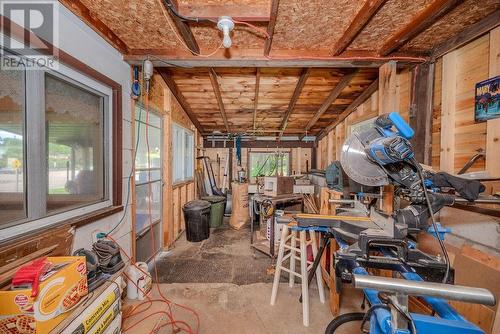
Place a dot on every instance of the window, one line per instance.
(183, 153)
(54, 132)
(269, 164)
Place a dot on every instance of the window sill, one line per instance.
(93, 216)
(182, 183)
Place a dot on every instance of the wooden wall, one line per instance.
(456, 136)
(330, 146)
(300, 158)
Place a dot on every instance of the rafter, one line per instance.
(361, 19)
(183, 28)
(80, 10)
(423, 20)
(218, 96)
(271, 25)
(330, 99)
(248, 13)
(296, 93)
(350, 108)
(167, 77)
(256, 99)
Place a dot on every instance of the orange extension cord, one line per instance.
(177, 325)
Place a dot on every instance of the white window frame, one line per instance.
(34, 123)
(183, 167)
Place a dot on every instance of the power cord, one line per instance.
(434, 224)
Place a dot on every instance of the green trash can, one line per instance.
(217, 208)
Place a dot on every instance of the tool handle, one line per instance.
(394, 119)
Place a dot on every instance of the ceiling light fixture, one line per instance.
(225, 25)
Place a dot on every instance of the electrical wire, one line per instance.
(434, 224)
(170, 6)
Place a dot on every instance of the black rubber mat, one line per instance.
(226, 257)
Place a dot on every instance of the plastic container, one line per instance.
(217, 208)
(140, 281)
(197, 218)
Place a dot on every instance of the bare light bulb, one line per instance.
(226, 24)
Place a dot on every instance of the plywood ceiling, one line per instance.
(351, 33)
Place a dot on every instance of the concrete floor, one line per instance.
(230, 288)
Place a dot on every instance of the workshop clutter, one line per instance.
(43, 294)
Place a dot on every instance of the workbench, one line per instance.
(265, 246)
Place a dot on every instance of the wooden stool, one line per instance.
(289, 232)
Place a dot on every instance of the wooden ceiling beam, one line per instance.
(365, 95)
(80, 10)
(296, 93)
(256, 99)
(334, 94)
(183, 28)
(468, 34)
(270, 28)
(218, 96)
(167, 77)
(248, 13)
(364, 15)
(423, 20)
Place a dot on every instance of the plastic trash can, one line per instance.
(197, 217)
(217, 208)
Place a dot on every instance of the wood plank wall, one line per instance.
(456, 137)
(300, 158)
(330, 146)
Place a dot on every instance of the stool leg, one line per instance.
(293, 244)
(277, 272)
(319, 278)
(303, 272)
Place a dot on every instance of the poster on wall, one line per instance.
(487, 102)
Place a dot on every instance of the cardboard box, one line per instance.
(59, 292)
(278, 185)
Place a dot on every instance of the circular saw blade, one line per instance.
(358, 166)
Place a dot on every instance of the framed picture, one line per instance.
(487, 102)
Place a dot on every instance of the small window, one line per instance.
(183, 153)
(269, 164)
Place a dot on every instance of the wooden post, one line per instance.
(168, 222)
(448, 110)
(330, 148)
(493, 125)
(387, 97)
(421, 111)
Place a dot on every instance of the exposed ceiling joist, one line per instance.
(256, 98)
(218, 96)
(260, 61)
(418, 24)
(356, 103)
(167, 77)
(361, 19)
(79, 9)
(271, 25)
(296, 93)
(184, 29)
(468, 34)
(210, 11)
(334, 94)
